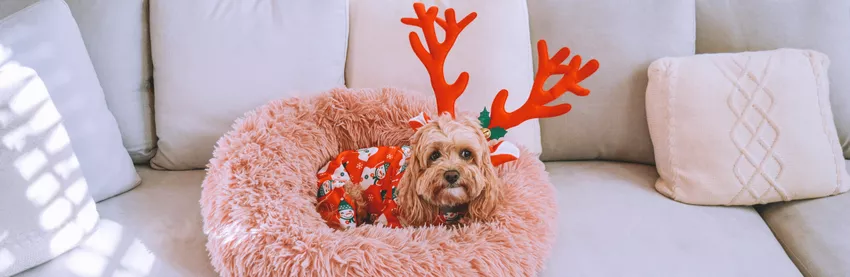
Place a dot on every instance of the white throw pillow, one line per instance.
(216, 60)
(46, 207)
(495, 49)
(116, 37)
(744, 128)
(44, 38)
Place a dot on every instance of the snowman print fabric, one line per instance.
(375, 172)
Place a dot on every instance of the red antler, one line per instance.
(434, 61)
(535, 107)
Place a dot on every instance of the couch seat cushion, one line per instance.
(613, 223)
(815, 233)
(152, 230)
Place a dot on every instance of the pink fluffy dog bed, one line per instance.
(259, 197)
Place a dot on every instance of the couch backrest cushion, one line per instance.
(824, 26)
(494, 49)
(116, 36)
(625, 36)
(44, 38)
(217, 59)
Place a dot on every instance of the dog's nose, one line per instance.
(451, 176)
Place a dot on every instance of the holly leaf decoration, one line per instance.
(497, 133)
(484, 117)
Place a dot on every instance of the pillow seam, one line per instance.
(820, 91)
(671, 78)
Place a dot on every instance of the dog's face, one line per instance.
(452, 156)
(449, 166)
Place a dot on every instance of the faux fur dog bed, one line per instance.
(259, 199)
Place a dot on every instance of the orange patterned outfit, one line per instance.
(377, 170)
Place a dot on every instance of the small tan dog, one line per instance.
(445, 174)
(448, 172)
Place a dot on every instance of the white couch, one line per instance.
(600, 158)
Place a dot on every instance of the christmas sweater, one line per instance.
(375, 172)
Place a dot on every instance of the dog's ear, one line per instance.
(412, 209)
(483, 207)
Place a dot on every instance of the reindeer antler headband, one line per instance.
(494, 125)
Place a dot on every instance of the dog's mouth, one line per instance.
(451, 194)
(445, 186)
(454, 190)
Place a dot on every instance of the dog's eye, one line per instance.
(434, 156)
(465, 154)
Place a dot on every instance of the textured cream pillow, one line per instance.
(744, 128)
